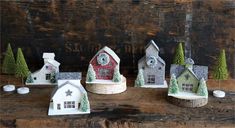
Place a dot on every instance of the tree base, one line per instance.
(9, 88)
(107, 88)
(218, 93)
(191, 103)
(23, 90)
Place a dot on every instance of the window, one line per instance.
(187, 87)
(151, 79)
(58, 106)
(187, 76)
(69, 104)
(48, 76)
(35, 78)
(104, 72)
(160, 68)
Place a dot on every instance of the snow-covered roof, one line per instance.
(151, 42)
(69, 76)
(53, 62)
(80, 87)
(48, 56)
(161, 60)
(191, 71)
(110, 52)
(199, 71)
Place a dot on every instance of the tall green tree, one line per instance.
(90, 76)
(116, 75)
(179, 55)
(173, 88)
(140, 78)
(84, 103)
(8, 66)
(202, 89)
(220, 70)
(22, 69)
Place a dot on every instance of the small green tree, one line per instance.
(116, 75)
(202, 89)
(179, 55)
(53, 79)
(173, 88)
(22, 69)
(8, 65)
(140, 79)
(29, 79)
(220, 71)
(90, 76)
(84, 103)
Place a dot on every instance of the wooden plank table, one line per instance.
(137, 107)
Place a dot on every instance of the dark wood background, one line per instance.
(75, 30)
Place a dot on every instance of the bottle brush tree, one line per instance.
(140, 79)
(220, 71)
(179, 55)
(173, 88)
(29, 79)
(21, 66)
(84, 103)
(53, 79)
(90, 76)
(116, 75)
(202, 89)
(8, 66)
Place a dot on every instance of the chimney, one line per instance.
(48, 56)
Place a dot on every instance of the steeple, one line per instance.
(189, 63)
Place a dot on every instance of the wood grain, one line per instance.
(136, 107)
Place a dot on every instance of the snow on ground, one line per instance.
(187, 95)
(104, 82)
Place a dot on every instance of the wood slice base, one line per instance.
(187, 102)
(100, 88)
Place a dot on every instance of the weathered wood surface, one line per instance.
(76, 29)
(136, 107)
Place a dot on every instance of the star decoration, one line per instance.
(187, 76)
(68, 93)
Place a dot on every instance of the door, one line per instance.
(151, 79)
(105, 73)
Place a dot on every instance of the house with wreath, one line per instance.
(69, 97)
(45, 75)
(188, 76)
(151, 68)
(104, 63)
(103, 75)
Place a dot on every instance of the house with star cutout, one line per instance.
(69, 97)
